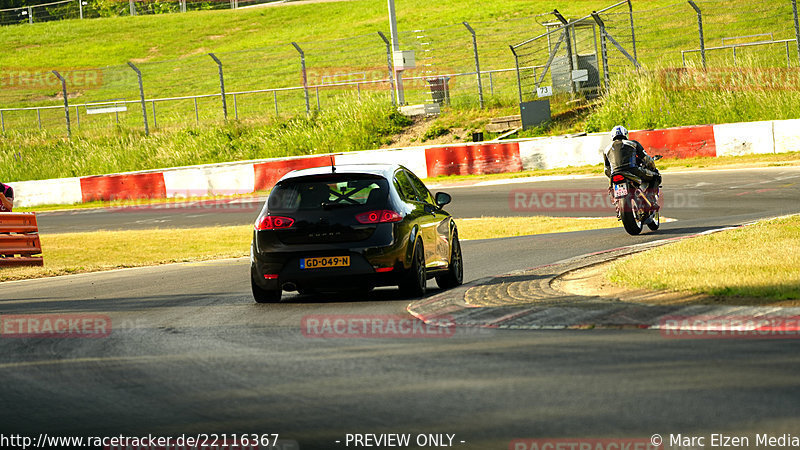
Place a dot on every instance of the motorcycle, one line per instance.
(636, 207)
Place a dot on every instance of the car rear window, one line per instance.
(328, 192)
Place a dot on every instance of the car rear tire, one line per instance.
(415, 281)
(264, 295)
(455, 272)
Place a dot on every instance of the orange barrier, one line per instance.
(19, 240)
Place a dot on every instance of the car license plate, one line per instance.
(325, 262)
(620, 190)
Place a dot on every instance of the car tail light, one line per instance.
(270, 276)
(274, 223)
(383, 269)
(617, 178)
(379, 216)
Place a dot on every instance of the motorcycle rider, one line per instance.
(625, 155)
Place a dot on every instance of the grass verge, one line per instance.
(68, 253)
(661, 97)
(758, 261)
(349, 125)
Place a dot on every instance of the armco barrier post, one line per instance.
(796, 29)
(66, 101)
(141, 98)
(305, 75)
(221, 85)
(389, 63)
(477, 61)
(700, 28)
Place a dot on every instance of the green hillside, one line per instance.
(340, 42)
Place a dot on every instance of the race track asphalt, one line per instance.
(191, 353)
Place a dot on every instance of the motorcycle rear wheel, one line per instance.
(630, 216)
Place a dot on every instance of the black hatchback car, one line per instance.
(353, 227)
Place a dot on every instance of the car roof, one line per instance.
(385, 170)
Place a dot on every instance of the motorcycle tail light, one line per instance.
(617, 178)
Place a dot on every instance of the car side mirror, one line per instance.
(657, 157)
(443, 198)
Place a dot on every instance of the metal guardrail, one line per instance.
(19, 240)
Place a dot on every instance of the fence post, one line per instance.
(141, 97)
(221, 85)
(132, 7)
(389, 64)
(66, 100)
(3, 121)
(235, 108)
(80, 8)
(155, 120)
(398, 74)
(477, 61)
(305, 75)
(30, 15)
(519, 79)
(39, 118)
(603, 48)
(78, 117)
(633, 30)
(796, 29)
(700, 28)
(570, 53)
(196, 113)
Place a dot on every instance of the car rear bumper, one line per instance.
(371, 266)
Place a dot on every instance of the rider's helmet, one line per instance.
(619, 132)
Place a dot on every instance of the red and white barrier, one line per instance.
(787, 135)
(555, 152)
(413, 158)
(463, 159)
(473, 159)
(682, 142)
(59, 191)
(735, 139)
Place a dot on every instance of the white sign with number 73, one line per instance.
(544, 91)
